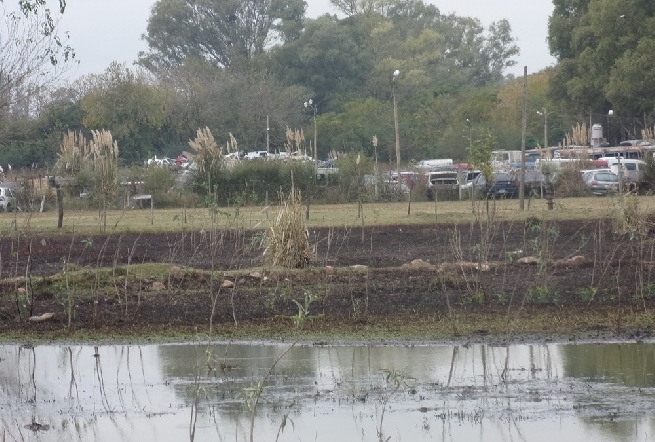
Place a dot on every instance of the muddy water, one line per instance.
(176, 392)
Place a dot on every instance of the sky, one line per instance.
(102, 31)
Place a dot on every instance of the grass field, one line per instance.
(132, 220)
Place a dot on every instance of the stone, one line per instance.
(157, 286)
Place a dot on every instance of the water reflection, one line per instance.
(403, 393)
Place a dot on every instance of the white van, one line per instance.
(632, 171)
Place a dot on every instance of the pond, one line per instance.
(314, 392)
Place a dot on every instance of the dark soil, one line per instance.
(428, 282)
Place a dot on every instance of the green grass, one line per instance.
(343, 215)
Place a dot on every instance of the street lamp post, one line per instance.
(396, 73)
(311, 106)
(374, 141)
(609, 115)
(545, 115)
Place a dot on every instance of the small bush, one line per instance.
(629, 219)
(568, 182)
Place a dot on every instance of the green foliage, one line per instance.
(604, 49)
(352, 168)
(475, 298)
(568, 182)
(480, 149)
(134, 110)
(587, 294)
(255, 182)
(303, 309)
(343, 64)
(501, 298)
(541, 294)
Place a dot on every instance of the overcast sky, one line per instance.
(102, 31)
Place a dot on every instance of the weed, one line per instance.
(541, 294)
(501, 298)
(629, 219)
(587, 294)
(303, 309)
(22, 303)
(512, 255)
(649, 290)
(646, 320)
(475, 298)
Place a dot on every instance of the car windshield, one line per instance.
(606, 176)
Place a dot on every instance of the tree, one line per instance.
(330, 58)
(601, 45)
(222, 32)
(631, 85)
(135, 111)
(32, 54)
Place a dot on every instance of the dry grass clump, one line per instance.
(100, 154)
(208, 154)
(629, 219)
(287, 241)
(295, 141)
(73, 152)
(579, 136)
(103, 151)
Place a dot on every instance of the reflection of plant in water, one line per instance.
(395, 379)
(253, 394)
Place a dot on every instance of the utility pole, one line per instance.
(395, 124)
(523, 131)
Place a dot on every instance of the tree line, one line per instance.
(246, 67)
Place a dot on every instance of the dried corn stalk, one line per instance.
(287, 242)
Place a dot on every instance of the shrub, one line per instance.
(568, 182)
(252, 182)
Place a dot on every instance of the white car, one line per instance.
(7, 198)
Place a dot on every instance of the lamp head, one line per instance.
(396, 73)
(611, 112)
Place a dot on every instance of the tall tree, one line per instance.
(133, 110)
(600, 45)
(32, 54)
(222, 32)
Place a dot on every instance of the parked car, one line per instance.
(7, 198)
(601, 182)
(502, 185)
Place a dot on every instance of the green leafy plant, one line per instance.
(303, 309)
(541, 294)
(587, 294)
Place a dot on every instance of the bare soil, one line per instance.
(554, 280)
